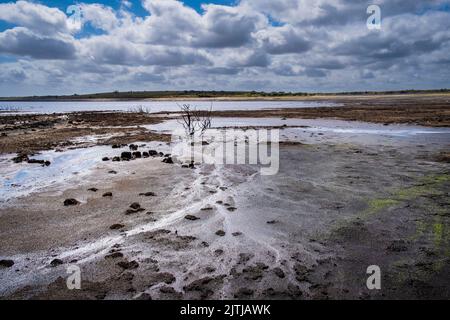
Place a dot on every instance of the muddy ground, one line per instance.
(309, 232)
(426, 110)
(27, 134)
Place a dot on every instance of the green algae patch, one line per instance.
(379, 204)
(427, 186)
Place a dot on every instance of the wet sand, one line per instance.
(342, 200)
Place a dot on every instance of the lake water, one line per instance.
(152, 106)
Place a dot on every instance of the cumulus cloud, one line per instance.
(22, 42)
(39, 18)
(292, 45)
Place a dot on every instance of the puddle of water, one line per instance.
(69, 167)
(313, 125)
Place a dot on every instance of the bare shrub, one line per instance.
(194, 120)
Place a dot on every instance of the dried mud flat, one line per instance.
(425, 110)
(154, 230)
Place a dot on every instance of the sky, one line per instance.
(262, 45)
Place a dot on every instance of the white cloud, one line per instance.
(288, 45)
(39, 18)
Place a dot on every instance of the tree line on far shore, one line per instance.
(208, 94)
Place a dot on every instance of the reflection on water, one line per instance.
(312, 125)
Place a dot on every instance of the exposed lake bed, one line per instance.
(347, 195)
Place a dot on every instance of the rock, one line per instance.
(206, 208)
(130, 211)
(160, 154)
(147, 194)
(218, 252)
(6, 263)
(114, 255)
(220, 233)
(168, 160)
(137, 154)
(56, 262)
(272, 222)
(71, 202)
(112, 172)
(36, 161)
(105, 159)
(116, 146)
(20, 158)
(128, 264)
(191, 217)
(107, 194)
(231, 209)
(145, 154)
(135, 205)
(152, 153)
(116, 226)
(133, 147)
(115, 159)
(278, 272)
(126, 155)
(93, 189)
(47, 163)
(236, 234)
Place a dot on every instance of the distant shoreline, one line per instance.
(223, 96)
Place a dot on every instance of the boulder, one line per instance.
(107, 194)
(105, 159)
(147, 194)
(36, 161)
(153, 153)
(168, 160)
(6, 263)
(116, 159)
(116, 226)
(137, 154)
(20, 158)
(135, 205)
(133, 147)
(126, 155)
(71, 202)
(56, 262)
(191, 217)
